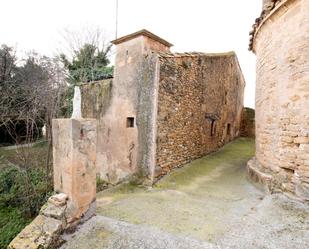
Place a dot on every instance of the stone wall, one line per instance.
(96, 98)
(247, 125)
(162, 110)
(282, 98)
(267, 7)
(200, 101)
(45, 230)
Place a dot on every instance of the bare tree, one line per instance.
(30, 97)
(85, 53)
(31, 94)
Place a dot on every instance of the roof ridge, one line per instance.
(143, 32)
(194, 54)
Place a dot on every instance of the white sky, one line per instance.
(191, 25)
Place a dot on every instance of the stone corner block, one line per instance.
(74, 162)
(256, 174)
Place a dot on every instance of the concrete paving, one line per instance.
(209, 203)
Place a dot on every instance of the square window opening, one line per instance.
(130, 122)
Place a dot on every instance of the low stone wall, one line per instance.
(45, 230)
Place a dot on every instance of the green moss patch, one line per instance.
(196, 200)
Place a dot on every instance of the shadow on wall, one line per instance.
(247, 125)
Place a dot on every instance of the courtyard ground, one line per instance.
(208, 203)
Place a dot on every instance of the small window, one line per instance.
(130, 122)
(228, 132)
(213, 128)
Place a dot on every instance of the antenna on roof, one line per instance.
(116, 33)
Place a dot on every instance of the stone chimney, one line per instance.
(149, 40)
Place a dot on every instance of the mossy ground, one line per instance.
(209, 201)
(36, 155)
(198, 200)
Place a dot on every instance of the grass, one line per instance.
(204, 165)
(11, 223)
(14, 214)
(36, 155)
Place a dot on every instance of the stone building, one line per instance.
(247, 125)
(280, 40)
(162, 109)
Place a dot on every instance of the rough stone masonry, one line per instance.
(200, 100)
(280, 40)
(162, 110)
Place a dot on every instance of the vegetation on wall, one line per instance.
(89, 63)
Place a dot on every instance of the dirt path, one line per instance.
(209, 203)
(28, 145)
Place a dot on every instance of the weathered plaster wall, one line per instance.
(282, 97)
(96, 98)
(124, 151)
(74, 160)
(200, 101)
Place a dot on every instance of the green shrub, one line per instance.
(22, 193)
(26, 190)
(101, 184)
(12, 222)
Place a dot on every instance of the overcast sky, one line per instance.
(191, 25)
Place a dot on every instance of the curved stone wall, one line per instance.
(281, 45)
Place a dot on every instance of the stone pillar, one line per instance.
(74, 155)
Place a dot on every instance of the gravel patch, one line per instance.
(102, 232)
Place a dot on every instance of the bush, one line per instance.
(24, 189)
(22, 193)
(101, 184)
(11, 223)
